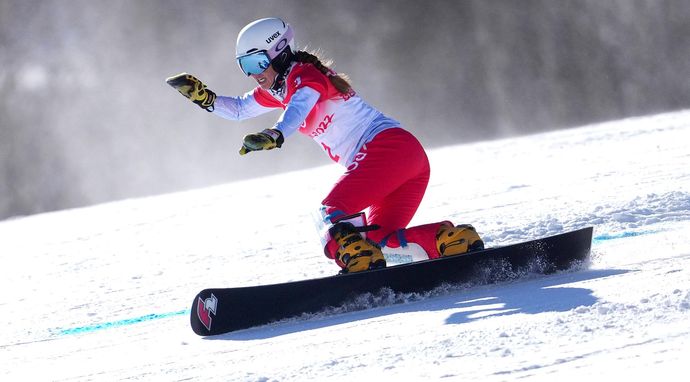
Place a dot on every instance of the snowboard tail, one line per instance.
(222, 310)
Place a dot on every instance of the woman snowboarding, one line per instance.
(387, 170)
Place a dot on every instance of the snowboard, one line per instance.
(222, 310)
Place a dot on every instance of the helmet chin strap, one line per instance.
(278, 82)
(281, 64)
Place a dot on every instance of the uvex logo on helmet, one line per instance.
(272, 37)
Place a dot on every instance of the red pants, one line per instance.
(389, 176)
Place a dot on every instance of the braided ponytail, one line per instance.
(339, 81)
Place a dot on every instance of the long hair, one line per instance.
(339, 81)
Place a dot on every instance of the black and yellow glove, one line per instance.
(190, 87)
(266, 140)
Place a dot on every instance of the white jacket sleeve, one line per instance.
(239, 108)
(297, 110)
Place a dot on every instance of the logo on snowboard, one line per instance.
(204, 309)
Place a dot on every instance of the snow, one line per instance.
(102, 293)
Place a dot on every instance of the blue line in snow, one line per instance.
(622, 235)
(125, 322)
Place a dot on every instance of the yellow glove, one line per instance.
(190, 87)
(266, 140)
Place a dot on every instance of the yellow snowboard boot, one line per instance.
(457, 240)
(356, 253)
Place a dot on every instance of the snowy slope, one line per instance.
(102, 293)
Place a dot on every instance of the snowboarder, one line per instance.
(387, 168)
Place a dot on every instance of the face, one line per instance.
(265, 79)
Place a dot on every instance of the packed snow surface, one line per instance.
(103, 293)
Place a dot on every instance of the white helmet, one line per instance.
(260, 42)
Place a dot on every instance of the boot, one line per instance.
(457, 240)
(355, 254)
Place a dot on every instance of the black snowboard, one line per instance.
(222, 310)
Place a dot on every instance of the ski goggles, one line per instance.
(254, 63)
